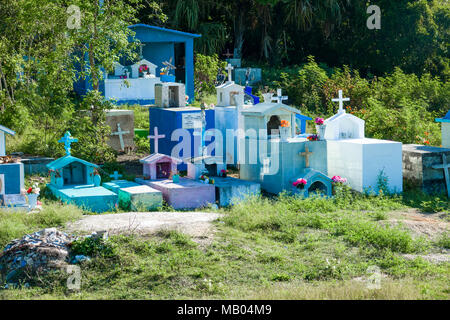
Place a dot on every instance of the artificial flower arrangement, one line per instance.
(300, 183)
(319, 121)
(34, 189)
(313, 137)
(223, 173)
(123, 77)
(164, 70)
(285, 124)
(206, 179)
(143, 68)
(338, 179)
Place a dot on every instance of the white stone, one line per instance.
(343, 126)
(360, 161)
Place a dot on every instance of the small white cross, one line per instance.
(120, 133)
(279, 97)
(156, 137)
(341, 101)
(116, 175)
(229, 68)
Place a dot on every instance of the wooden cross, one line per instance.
(445, 165)
(306, 154)
(341, 101)
(156, 137)
(120, 133)
(229, 68)
(228, 54)
(116, 175)
(279, 97)
(67, 140)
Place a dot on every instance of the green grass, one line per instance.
(264, 249)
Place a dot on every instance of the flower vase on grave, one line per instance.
(176, 178)
(267, 97)
(320, 131)
(284, 133)
(32, 200)
(97, 180)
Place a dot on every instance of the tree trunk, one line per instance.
(239, 29)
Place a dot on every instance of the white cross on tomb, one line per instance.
(229, 68)
(156, 137)
(279, 97)
(120, 133)
(341, 101)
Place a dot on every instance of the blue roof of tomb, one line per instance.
(446, 118)
(66, 160)
(165, 30)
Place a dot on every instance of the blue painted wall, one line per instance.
(168, 120)
(14, 177)
(159, 47)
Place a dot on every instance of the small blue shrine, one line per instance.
(166, 55)
(73, 180)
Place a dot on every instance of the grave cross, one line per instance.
(67, 140)
(228, 54)
(341, 101)
(279, 97)
(116, 175)
(120, 133)
(156, 137)
(229, 68)
(306, 154)
(445, 165)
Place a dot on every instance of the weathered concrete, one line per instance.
(126, 120)
(417, 167)
(230, 190)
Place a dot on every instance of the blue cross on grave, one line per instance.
(115, 175)
(67, 140)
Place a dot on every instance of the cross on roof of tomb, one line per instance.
(67, 140)
(120, 133)
(341, 101)
(115, 175)
(306, 154)
(229, 68)
(279, 97)
(156, 137)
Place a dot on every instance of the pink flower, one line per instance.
(319, 121)
(338, 179)
(299, 182)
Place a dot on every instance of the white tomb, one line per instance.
(226, 92)
(361, 160)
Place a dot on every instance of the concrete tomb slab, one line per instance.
(230, 190)
(418, 167)
(140, 198)
(186, 194)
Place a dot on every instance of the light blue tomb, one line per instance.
(76, 181)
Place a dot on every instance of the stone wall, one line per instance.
(417, 167)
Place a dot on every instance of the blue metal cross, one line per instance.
(116, 175)
(67, 140)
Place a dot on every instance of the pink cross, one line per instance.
(156, 137)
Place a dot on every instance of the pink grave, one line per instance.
(159, 166)
(185, 194)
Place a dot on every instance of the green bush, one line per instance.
(206, 70)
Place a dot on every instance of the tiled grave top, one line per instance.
(230, 181)
(115, 185)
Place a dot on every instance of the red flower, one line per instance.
(30, 190)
